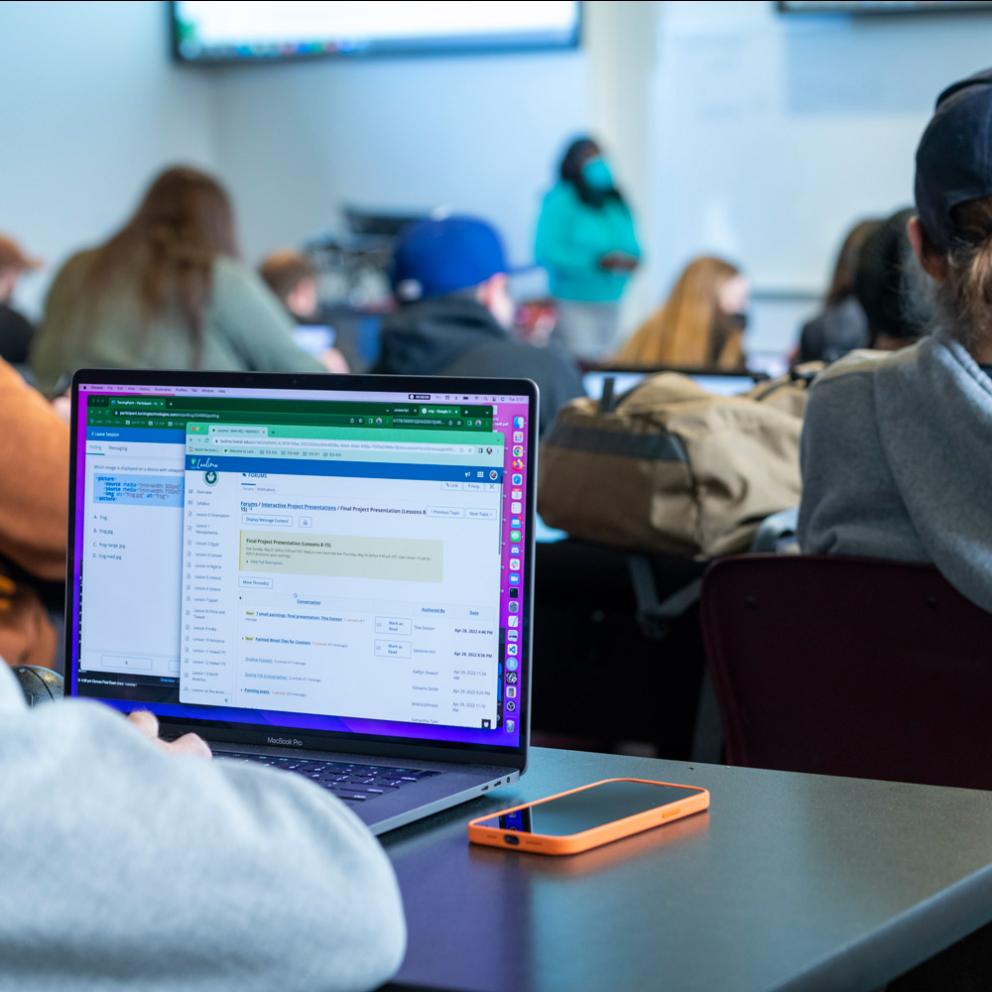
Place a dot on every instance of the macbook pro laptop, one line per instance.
(332, 575)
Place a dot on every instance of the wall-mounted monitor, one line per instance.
(215, 31)
(882, 6)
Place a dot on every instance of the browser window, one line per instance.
(375, 596)
(335, 561)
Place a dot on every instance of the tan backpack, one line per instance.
(672, 468)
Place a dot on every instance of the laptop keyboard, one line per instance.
(353, 783)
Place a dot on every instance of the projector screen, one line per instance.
(255, 30)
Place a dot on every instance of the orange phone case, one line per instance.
(605, 834)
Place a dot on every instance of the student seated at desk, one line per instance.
(166, 291)
(841, 326)
(455, 313)
(895, 451)
(131, 863)
(890, 287)
(700, 325)
(293, 280)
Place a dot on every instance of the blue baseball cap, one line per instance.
(954, 157)
(434, 258)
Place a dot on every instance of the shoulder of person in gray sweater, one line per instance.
(895, 463)
(847, 489)
(124, 865)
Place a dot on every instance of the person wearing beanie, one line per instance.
(895, 447)
(454, 313)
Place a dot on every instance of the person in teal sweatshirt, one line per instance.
(587, 241)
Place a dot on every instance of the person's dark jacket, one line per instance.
(15, 335)
(458, 336)
(841, 328)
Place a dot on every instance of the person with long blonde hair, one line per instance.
(700, 325)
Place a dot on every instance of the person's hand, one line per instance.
(618, 261)
(147, 725)
(334, 361)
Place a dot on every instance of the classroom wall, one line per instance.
(773, 132)
(476, 135)
(92, 107)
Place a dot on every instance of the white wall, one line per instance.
(772, 133)
(92, 107)
(478, 135)
(621, 42)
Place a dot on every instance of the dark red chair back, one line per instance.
(850, 666)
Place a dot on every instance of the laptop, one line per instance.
(625, 379)
(331, 575)
(314, 339)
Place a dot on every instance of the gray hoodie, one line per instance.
(123, 867)
(897, 462)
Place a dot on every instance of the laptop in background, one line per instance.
(314, 339)
(625, 379)
(330, 575)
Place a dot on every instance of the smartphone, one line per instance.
(589, 816)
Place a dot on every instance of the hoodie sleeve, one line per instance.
(850, 504)
(934, 411)
(124, 865)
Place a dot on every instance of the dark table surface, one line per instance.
(788, 882)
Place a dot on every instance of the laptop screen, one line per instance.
(336, 560)
(728, 384)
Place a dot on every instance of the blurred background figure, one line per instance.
(891, 286)
(293, 279)
(700, 325)
(455, 313)
(166, 291)
(841, 326)
(587, 241)
(16, 330)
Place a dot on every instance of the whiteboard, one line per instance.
(773, 133)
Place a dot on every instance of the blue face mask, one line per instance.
(597, 174)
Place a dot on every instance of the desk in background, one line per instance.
(600, 681)
(795, 882)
